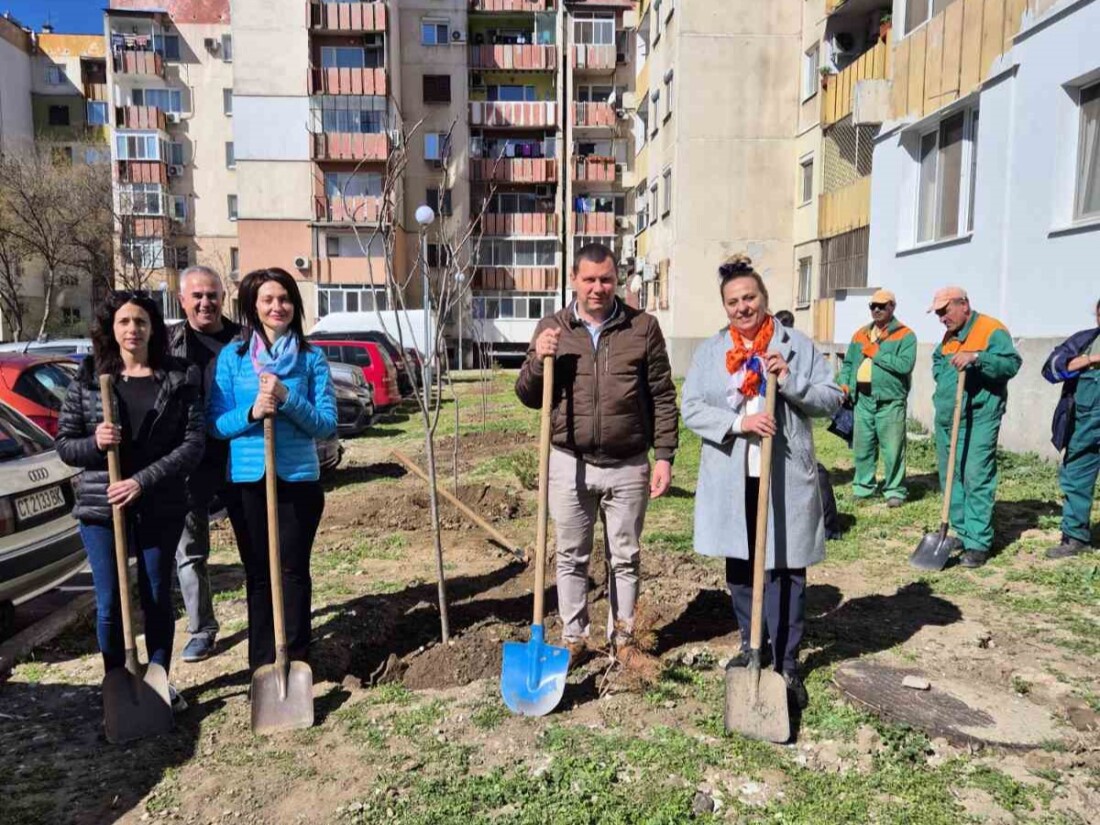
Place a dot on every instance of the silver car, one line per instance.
(39, 543)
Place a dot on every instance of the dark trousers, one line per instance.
(784, 596)
(155, 548)
(300, 506)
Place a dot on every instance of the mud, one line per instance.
(472, 656)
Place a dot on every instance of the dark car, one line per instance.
(404, 381)
(351, 413)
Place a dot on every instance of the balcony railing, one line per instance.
(516, 115)
(350, 209)
(524, 223)
(840, 89)
(597, 115)
(594, 58)
(519, 278)
(347, 17)
(518, 57)
(594, 223)
(141, 171)
(139, 62)
(350, 146)
(594, 170)
(95, 91)
(347, 81)
(140, 117)
(514, 170)
(845, 209)
(511, 5)
(145, 226)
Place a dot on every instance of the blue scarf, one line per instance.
(279, 360)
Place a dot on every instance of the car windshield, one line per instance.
(20, 438)
(45, 384)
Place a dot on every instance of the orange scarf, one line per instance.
(738, 356)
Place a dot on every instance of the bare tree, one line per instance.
(13, 301)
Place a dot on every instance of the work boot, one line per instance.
(895, 502)
(1069, 547)
(199, 648)
(634, 659)
(179, 704)
(738, 661)
(796, 688)
(973, 558)
(579, 653)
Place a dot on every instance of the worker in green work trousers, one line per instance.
(1075, 363)
(875, 376)
(976, 349)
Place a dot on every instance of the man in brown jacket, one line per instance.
(614, 400)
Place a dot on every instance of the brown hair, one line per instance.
(739, 265)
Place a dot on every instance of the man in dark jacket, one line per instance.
(199, 340)
(613, 401)
(1076, 433)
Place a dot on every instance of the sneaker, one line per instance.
(796, 688)
(199, 648)
(638, 662)
(895, 502)
(179, 704)
(973, 558)
(579, 653)
(1069, 547)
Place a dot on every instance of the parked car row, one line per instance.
(379, 356)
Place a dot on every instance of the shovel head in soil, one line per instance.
(533, 675)
(282, 697)
(135, 703)
(756, 703)
(933, 551)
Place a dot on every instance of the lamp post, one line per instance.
(426, 217)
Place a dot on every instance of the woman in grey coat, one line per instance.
(723, 403)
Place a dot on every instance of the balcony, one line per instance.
(350, 209)
(95, 91)
(142, 62)
(513, 115)
(518, 57)
(145, 226)
(840, 89)
(511, 5)
(514, 170)
(347, 17)
(524, 223)
(140, 117)
(588, 58)
(350, 146)
(347, 81)
(594, 170)
(141, 171)
(518, 278)
(845, 209)
(594, 115)
(594, 223)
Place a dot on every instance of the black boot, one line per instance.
(796, 688)
(1069, 547)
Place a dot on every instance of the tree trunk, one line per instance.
(454, 452)
(49, 303)
(433, 499)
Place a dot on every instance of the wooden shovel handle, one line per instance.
(274, 558)
(760, 552)
(118, 518)
(956, 416)
(544, 486)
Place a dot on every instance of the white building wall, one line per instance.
(16, 119)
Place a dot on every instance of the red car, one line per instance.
(378, 368)
(35, 385)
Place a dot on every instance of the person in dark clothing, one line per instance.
(160, 434)
(199, 340)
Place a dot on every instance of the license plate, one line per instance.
(40, 502)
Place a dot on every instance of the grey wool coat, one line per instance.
(796, 533)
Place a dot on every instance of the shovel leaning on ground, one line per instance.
(282, 693)
(532, 678)
(935, 548)
(756, 700)
(136, 703)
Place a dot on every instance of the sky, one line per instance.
(67, 16)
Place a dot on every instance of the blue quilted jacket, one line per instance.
(308, 413)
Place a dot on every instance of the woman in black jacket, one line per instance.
(160, 433)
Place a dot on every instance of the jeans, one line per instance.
(191, 555)
(153, 547)
(300, 506)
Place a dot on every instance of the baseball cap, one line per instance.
(946, 295)
(883, 296)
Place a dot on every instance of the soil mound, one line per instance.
(409, 509)
(474, 655)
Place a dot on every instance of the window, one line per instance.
(227, 101)
(511, 306)
(655, 99)
(511, 94)
(169, 46)
(806, 179)
(140, 199)
(920, 11)
(70, 316)
(332, 246)
(437, 256)
(658, 19)
(178, 206)
(435, 146)
(653, 211)
(507, 252)
(139, 146)
(183, 257)
(1088, 156)
(642, 122)
(58, 116)
(437, 88)
(227, 48)
(94, 155)
(176, 155)
(594, 28)
(432, 199)
(948, 161)
(354, 114)
(811, 65)
(668, 94)
(234, 260)
(55, 76)
(666, 205)
(96, 113)
(351, 57)
(805, 278)
(170, 100)
(519, 203)
(600, 204)
(641, 213)
(435, 33)
(353, 184)
(145, 253)
(354, 298)
(230, 158)
(231, 203)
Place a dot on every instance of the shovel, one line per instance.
(935, 548)
(756, 700)
(533, 674)
(282, 693)
(135, 699)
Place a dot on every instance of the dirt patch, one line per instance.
(408, 508)
(472, 656)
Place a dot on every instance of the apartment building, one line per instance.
(69, 96)
(170, 93)
(16, 118)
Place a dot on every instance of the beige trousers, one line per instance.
(618, 494)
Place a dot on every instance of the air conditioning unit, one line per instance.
(395, 137)
(458, 36)
(172, 117)
(301, 262)
(620, 169)
(621, 113)
(174, 171)
(211, 44)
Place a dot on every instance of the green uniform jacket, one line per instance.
(986, 389)
(891, 364)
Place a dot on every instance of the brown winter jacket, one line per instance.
(610, 403)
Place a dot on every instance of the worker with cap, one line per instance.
(876, 376)
(977, 350)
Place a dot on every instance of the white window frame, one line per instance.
(55, 76)
(227, 102)
(177, 206)
(98, 105)
(148, 140)
(641, 208)
(135, 199)
(489, 305)
(811, 68)
(967, 179)
(433, 24)
(598, 24)
(666, 201)
(655, 102)
(234, 260)
(326, 293)
(230, 155)
(806, 179)
(227, 48)
(232, 206)
(149, 252)
(668, 94)
(805, 282)
(438, 140)
(173, 97)
(1083, 163)
(654, 203)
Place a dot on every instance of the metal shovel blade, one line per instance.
(136, 705)
(756, 704)
(532, 678)
(282, 697)
(933, 551)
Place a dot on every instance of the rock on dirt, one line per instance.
(916, 683)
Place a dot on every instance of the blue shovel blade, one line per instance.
(532, 678)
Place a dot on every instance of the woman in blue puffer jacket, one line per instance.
(273, 372)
